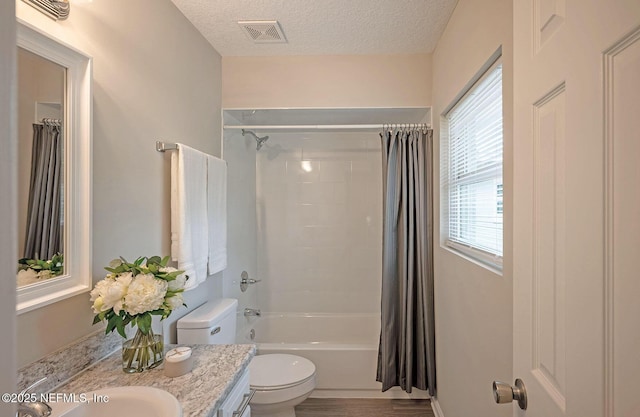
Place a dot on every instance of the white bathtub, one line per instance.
(343, 347)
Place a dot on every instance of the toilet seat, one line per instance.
(279, 371)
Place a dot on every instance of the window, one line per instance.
(471, 143)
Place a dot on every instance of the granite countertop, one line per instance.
(216, 368)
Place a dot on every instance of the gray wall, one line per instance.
(154, 78)
(473, 304)
(8, 236)
(318, 81)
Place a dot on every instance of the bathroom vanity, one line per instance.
(217, 386)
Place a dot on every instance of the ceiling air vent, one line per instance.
(263, 31)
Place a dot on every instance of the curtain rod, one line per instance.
(49, 121)
(326, 127)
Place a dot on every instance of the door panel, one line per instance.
(622, 124)
(548, 348)
(577, 206)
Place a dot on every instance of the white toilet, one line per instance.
(281, 381)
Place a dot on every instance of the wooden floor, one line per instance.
(356, 407)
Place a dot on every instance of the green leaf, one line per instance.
(154, 260)
(96, 319)
(120, 328)
(111, 325)
(144, 322)
(164, 261)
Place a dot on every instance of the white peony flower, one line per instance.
(110, 292)
(117, 290)
(45, 274)
(179, 282)
(26, 277)
(96, 296)
(145, 293)
(174, 302)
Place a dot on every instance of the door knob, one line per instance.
(504, 393)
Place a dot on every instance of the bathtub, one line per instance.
(343, 347)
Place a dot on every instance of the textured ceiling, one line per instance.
(323, 27)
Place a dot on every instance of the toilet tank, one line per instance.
(213, 323)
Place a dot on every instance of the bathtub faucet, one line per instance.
(252, 312)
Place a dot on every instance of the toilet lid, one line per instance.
(277, 371)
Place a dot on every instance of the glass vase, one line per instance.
(142, 352)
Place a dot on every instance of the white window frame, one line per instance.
(486, 258)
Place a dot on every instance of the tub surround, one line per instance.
(343, 347)
(216, 370)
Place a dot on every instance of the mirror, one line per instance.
(54, 164)
(41, 160)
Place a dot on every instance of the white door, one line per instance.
(577, 206)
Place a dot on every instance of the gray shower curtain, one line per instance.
(406, 355)
(44, 230)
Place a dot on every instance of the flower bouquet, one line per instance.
(131, 294)
(32, 270)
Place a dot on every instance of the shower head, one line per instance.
(259, 141)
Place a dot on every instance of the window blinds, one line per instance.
(472, 170)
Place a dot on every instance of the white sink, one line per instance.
(133, 401)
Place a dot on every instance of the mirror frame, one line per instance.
(77, 170)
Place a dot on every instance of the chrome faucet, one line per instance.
(252, 312)
(33, 408)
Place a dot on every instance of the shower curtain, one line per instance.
(44, 228)
(406, 355)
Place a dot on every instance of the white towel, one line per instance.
(217, 209)
(189, 225)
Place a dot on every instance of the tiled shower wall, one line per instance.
(319, 222)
